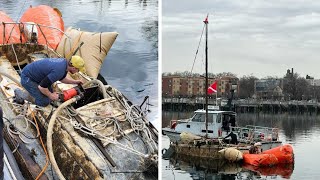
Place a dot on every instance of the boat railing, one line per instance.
(242, 132)
(266, 133)
(258, 127)
(39, 25)
(250, 134)
(22, 24)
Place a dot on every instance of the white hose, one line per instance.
(100, 84)
(49, 136)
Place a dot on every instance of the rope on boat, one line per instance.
(22, 133)
(96, 123)
(195, 57)
(15, 54)
(23, 114)
(136, 119)
(105, 138)
(21, 105)
(43, 146)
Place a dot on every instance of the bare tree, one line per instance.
(296, 87)
(246, 86)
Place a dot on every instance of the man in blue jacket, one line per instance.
(37, 77)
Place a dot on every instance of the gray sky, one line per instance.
(246, 37)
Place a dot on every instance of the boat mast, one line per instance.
(206, 49)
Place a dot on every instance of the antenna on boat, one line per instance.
(206, 51)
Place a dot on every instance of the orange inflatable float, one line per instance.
(12, 34)
(260, 159)
(279, 155)
(284, 153)
(46, 16)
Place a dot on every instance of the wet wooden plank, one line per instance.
(29, 168)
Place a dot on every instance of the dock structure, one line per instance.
(245, 105)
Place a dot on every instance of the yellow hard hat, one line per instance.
(78, 62)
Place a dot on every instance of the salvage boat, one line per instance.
(208, 128)
(220, 124)
(95, 133)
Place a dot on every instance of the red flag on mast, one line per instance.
(212, 88)
(206, 20)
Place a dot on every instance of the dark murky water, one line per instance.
(301, 131)
(132, 62)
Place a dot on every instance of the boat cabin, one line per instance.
(219, 123)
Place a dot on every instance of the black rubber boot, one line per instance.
(21, 95)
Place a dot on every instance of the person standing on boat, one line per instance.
(38, 77)
(233, 140)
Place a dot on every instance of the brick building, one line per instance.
(195, 86)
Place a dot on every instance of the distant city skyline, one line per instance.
(259, 38)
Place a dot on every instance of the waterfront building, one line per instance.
(174, 85)
(268, 89)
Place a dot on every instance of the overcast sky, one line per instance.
(246, 37)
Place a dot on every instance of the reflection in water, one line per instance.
(292, 125)
(168, 116)
(301, 131)
(284, 170)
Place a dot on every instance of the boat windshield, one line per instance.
(200, 117)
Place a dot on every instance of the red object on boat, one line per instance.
(11, 30)
(47, 16)
(260, 159)
(284, 153)
(173, 124)
(284, 170)
(219, 132)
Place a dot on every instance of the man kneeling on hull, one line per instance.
(38, 77)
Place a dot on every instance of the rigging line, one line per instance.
(15, 54)
(195, 57)
(16, 21)
(21, 10)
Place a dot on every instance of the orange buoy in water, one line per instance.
(47, 16)
(284, 153)
(260, 160)
(11, 33)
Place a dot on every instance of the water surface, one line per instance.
(132, 62)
